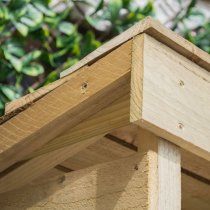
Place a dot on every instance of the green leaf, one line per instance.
(89, 43)
(93, 21)
(114, 9)
(99, 6)
(22, 28)
(148, 9)
(66, 28)
(16, 63)
(9, 92)
(126, 3)
(31, 56)
(14, 48)
(63, 41)
(52, 76)
(33, 70)
(34, 14)
(29, 22)
(44, 9)
(4, 12)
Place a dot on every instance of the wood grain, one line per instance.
(104, 150)
(169, 175)
(160, 33)
(112, 117)
(176, 98)
(165, 172)
(40, 165)
(86, 92)
(120, 184)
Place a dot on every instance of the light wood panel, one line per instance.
(114, 116)
(169, 176)
(165, 173)
(85, 93)
(196, 164)
(195, 194)
(29, 99)
(156, 30)
(39, 165)
(175, 94)
(120, 184)
(104, 150)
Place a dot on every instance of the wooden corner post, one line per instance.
(164, 176)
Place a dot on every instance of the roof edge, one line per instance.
(155, 29)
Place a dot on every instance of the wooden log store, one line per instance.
(126, 128)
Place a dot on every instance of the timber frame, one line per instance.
(128, 127)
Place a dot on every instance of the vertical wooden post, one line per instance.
(169, 176)
(165, 172)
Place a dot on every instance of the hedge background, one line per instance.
(39, 39)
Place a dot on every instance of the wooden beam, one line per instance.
(112, 117)
(40, 165)
(195, 194)
(86, 92)
(104, 150)
(120, 184)
(170, 96)
(169, 174)
(165, 173)
(156, 30)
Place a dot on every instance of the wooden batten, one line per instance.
(165, 172)
(83, 94)
(170, 95)
(120, 184)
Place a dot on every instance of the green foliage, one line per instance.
(200, 35)
(38, 40)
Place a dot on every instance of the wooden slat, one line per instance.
(165, 173)
(175, 94)
(156, 30)
(104, 150)
(40, 165)
(98, 124)
(85, 93)
(195, 194)
(196, 164)
(121, 184)
(148, 26)
(114, 116)
(169, 176)
(189, 161)
(29, 99)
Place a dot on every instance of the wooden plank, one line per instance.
(104, 150)
(114, 116)
(95, 125)
(195, 164)
(29, 99)
(85, 93)
(121, 184)
(165, 173)
(189, 161)
(195, 194)
(156, 30)
(148, 26)
(175, 94)
(40, 165)
(169, 174)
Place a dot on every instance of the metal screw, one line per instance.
(136, 167)
(181, 126)
(181, 83)
(84, 87)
